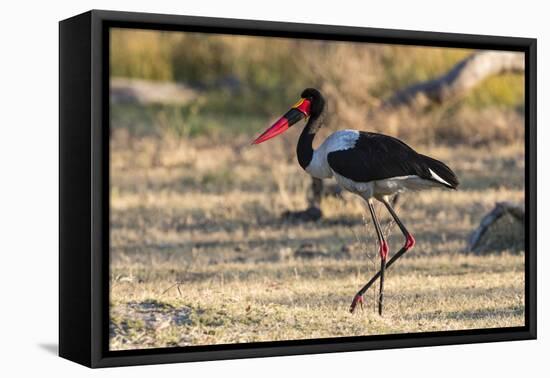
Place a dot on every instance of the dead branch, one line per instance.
(460, 79)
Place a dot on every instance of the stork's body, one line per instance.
(381, 165)
(371, 165)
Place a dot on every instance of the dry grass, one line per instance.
(200, 255)
(246, 302)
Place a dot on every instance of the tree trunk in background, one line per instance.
(314, 196)
(460, 79)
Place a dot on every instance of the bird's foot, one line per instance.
(358, 299)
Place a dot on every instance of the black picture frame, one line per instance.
(84, 188)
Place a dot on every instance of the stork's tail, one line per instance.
(439, 172)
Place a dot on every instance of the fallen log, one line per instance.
(145, 92)
(464, 76)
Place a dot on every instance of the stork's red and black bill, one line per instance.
(299, 111)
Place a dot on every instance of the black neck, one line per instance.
(304, 150)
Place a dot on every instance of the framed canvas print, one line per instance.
(234, 188)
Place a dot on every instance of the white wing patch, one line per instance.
(438, 178)
(340, 140)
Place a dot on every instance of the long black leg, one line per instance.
(409, 240)
(383, 254)
(409, 243)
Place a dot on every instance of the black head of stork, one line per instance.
(310, 105)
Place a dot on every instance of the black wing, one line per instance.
(378, 157)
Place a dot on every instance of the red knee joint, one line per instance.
(410, 242)
(358, 299)
(384, 249)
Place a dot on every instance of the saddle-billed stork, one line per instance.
(371, 165)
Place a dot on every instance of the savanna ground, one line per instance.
(200, 254)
